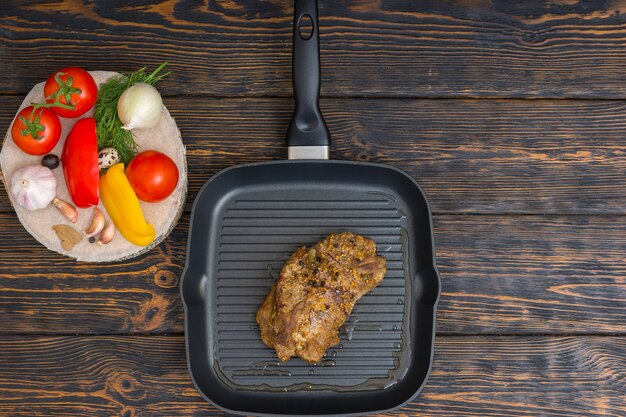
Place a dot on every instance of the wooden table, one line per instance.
(529, 196)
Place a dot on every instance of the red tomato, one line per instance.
(73, 86)
(39, 135)
(80, 163)
(153, 175)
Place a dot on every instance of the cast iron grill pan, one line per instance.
(248, 220)
(245, 224)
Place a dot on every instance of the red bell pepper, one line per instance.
(80, 163)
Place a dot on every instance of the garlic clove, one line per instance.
(107, 234)
(97, 224)
(66, 209)
(33, 187)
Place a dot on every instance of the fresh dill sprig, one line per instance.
(108, 125)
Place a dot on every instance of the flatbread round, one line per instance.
(164, 137)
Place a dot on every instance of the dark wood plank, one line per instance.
(147, 376)
(400, 48)
(470, 156)
(500, 274)
(519, 274)
(42, 291)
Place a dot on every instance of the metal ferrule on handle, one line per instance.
(307, 136)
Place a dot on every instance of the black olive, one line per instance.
(316, 271)
(323, 283)
(311, 282)
(302, 264)
(317, 259)
(50, 161)
(92, 239)
(327, 306)
(336, 245)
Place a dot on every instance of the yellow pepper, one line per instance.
(123, 207)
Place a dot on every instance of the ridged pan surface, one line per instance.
(246, 222)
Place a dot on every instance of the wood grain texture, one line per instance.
(520, 274)
(389, 47)
(472, 376)
(469, 156)
(42, 291)
(500, 274)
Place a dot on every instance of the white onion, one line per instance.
(139, 107)
(33, 187)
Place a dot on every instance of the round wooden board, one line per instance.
(164, 215)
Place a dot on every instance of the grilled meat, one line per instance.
(314, 294)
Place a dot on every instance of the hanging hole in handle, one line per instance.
(305, 27)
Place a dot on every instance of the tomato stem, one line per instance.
(65, 90)
(49, 105)
(33, 127)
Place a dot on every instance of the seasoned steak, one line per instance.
(315, 293)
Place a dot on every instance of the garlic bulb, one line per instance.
(33, 187)
(139, 107)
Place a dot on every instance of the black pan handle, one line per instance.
(308, 136)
